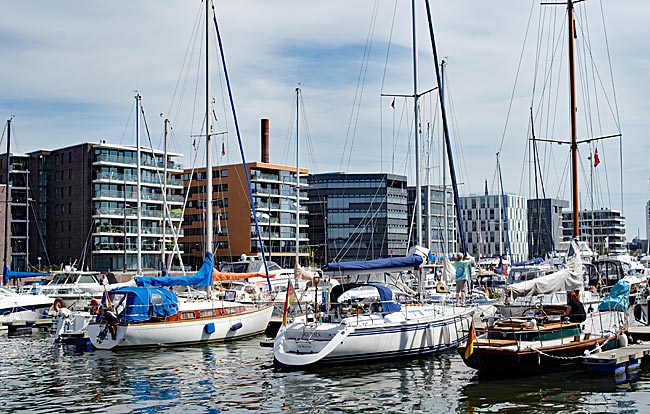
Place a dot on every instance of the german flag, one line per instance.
(291, 297)
(471, 337)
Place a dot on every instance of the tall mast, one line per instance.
(445, 129)
(416, 120)
(7, 171)
(445, 238)
(138, 184)
(165, 206)
(297, 181)
(572, 114)
(208, 137)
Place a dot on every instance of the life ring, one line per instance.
(58, 304)
(94, 307)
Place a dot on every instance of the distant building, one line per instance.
(357, 216)
(4, 217)
(482, 216)
(436, 218)
(545, 225)
(78, 205)
(604, 229)
(274, 194)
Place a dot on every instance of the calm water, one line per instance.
(40, 377)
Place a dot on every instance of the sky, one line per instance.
(70, 72)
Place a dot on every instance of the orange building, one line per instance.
(274, 194)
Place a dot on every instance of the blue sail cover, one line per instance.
(10, 274)
(389, 263)
(201, 278)
(618, 299)
(141, 304)
(387, 302)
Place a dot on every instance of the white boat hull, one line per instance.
(182, 332)
(417, 330)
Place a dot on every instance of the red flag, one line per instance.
(596, 159)
(393, 103)
(223, 148)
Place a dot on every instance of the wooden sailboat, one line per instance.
(150, 315)
(540, 342)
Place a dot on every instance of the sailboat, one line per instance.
(542, 341)
(369, 320)
(152, 315)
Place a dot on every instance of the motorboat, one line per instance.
(20, 307)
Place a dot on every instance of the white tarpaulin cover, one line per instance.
(562, 280)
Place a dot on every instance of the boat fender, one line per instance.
(622, 340)
(209, 328)
(58, 304)
(533, 323)
(236, 326)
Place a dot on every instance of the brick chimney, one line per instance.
(265, 140)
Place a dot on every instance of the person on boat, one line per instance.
(575, 310)
(462, 273)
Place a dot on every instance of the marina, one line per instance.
(387, 266)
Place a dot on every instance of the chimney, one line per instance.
(486, 189)
(265, 140)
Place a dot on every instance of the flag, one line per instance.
(471, 338)
(291, 297)
(596, 159)
(194, 144)
(393, 104)
(223, 148)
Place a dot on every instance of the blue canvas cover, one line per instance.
(618, 299)
(387, 302)
(201, 278)
(10, 274)
(141, 304)
(389, 263)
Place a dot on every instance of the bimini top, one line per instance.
(141, 304)
(388, 304)
(360, 266)
(201, 278)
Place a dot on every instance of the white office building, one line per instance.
(489, 232)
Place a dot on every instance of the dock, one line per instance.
(619, 360)
(20, 327)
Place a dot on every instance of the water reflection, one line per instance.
(239, 377)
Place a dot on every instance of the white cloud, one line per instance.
(69, 72)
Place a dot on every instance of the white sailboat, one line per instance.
(150, 315)
(362, 322)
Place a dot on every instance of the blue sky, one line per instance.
(69, 74)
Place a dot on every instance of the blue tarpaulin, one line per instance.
(618, 299)
(141, 304)
(201, 278)
(389, 263)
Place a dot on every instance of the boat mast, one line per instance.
(208, 130)
(445, 129)
(7, 170)
(165, 206)
(416, 120)
(572, 114)
(297, 182)
(445, 238)
(139, 183)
